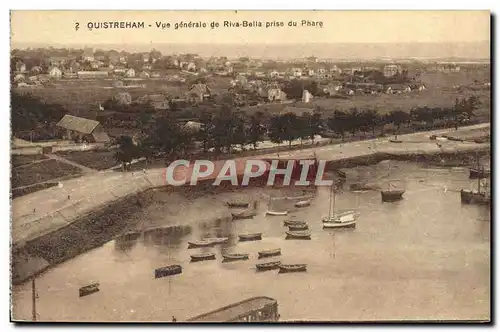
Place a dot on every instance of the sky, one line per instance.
(58, 27)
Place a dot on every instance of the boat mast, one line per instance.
(33, 298)
(330, 202)
(478, 176)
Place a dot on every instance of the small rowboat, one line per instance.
(392, 140)
(243, 205)
(340, 224)
(250, 237)
(202, 257)
(234, 257)
(298, 227)
(168, 271)
(293, 268)
(269, 253)
(245, 214)
(392, 195)
(276, 213)
(303, 204)
(347, 215)
(298, 235)
(268, 266)
(294, 222)
(217, 240)
(89, 289)
(199, 244)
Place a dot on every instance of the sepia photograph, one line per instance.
(242, 166)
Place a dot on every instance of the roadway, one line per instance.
(47, 210)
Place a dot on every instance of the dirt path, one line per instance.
(72, 163)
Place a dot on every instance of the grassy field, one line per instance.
(41, 172)
(99, 160)
(385, 103)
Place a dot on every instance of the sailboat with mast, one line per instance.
(345, 219)
(479, 197)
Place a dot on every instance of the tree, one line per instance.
(354, 121)
(398, 118)
(313, 125)
(256, 130)
(127, 151)
(171, 139)
(284, 128)
(205, 134)
(339, 123)
(370, 119)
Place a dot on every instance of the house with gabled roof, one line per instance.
(199, 92)
(82, 130)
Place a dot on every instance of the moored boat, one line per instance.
(299, 227)
(268, 266)
(245, 214)
(234, 257)
(238, 204)
(294, 222)
(392, 195)
(269, 253)
(199, 244)
(474, 197)
(89, 289)
(276, 213)
(202, 257)
(217, 240)
(479, 173)
(168, 271)
(303, 203)
(301, 235)
(287, 268)
(340, 224)
(250, 237)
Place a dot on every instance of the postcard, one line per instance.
(250, 166)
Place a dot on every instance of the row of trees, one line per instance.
(223, 131)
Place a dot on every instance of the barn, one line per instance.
(82, 130)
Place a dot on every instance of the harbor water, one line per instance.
(426, 257)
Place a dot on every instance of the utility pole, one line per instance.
(33, 298)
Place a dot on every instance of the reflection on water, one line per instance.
(425, 257)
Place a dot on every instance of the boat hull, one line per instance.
(268, 266)
(348, 224)
(221, 240)
(303, 204)
(253, 237)
(276, 213)
(168, 271)
(231, 258)
(200, 258)
(392, 196)
(478, 173)
(206, 244)
(291, 269)
(470, 197)
(243, 215)
(264, 254)
(298, 236)
(243, 205)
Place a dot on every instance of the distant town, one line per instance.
(109, 97)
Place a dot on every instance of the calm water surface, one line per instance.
(426, 257)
